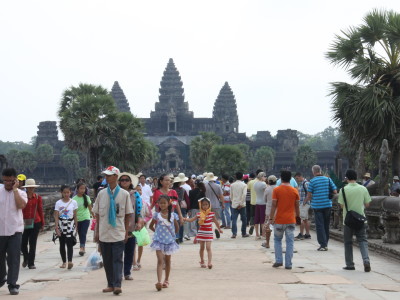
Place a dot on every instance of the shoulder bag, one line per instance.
(30, 223)
(353, 219)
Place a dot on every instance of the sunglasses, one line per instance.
(126, 180)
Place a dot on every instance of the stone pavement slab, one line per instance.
(242, 270)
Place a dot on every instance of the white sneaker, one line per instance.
(186, 238)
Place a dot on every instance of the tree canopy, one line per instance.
(226, 159)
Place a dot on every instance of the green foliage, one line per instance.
(44, 153)
(22, 161)
(367, 111)
(6, 147)
(324, 140)
(70, 162)
(305, 157)
(264, 158)
(200, 149)
(226, 159)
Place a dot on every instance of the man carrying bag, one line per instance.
(353, 199)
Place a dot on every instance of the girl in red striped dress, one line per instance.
(205, 233)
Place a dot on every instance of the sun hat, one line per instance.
(210, 177)
(111, 170)
(181, 178)
(134, 178)
(367, 175)
(396, 178)
(272, 178)
(21, 177)
(30, 183)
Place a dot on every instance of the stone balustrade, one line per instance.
(383, 217)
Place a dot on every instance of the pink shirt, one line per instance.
(11, 218)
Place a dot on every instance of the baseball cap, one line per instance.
(111, 170)
(21, 177)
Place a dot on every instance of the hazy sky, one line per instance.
(270, 52)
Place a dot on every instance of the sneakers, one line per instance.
(322, 249)
(233, 236)
(186, 237)
(299, 237)
(276, 265)
(13, 289)
(245, 235)
(367, 267)
(349, 268)
(307, 236)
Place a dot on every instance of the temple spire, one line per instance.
(225, 111)
(120, 100)
(171, 89)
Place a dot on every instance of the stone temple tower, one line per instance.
(120, 100)
(225, 112)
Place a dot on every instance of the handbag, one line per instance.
(330, 192)
(142, 236)
(30, 223)
(353, 219)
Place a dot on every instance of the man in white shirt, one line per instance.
(238, 202)
(12, 201)
(147, 194)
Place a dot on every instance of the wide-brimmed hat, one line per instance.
(181, 178)
(21, 177)
(134, 178)
(272, 178)
(210, 177)
(30, 183)
(367, 175)
(396, 178)
(111, 170)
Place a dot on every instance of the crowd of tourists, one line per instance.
(124, 206)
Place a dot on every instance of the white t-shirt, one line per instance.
(186, 187)
(146, 193)
(66, 211)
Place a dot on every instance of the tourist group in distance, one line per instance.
(121, 208)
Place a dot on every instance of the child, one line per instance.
(205, 233)
(84, 213)
(65, 214)
(164, 238)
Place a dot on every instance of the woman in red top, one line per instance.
(164, 182)
(32, 211)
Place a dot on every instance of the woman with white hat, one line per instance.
(34, 221)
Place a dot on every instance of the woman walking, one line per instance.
(34, 221)
(83, 214)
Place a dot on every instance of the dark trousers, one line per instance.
(30, 236)
(83, 227)
(129, 251)
(322, 221)
(66, 241)
(10, 247)
(235, 213)
(112, 260)
(248, 214)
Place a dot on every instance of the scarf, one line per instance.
(112, 215)
(203, 214)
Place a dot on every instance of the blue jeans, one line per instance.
(235, 213)
(279, 230)
(83, 227)
(226, 215)
(322, 220)
(361, 236)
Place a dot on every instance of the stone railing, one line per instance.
(49, 201)
(383, 217)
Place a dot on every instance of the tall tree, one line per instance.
(22, 161)
(367, 110)
(44, 154)
(70, 162)
(226, 159)
(200, 149)
(264, 158)
(305, 158)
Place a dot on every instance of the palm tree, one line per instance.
(367, 110)
(200, 149)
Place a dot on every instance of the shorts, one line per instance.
(304, 209)
(259, 217)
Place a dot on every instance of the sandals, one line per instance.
(202, 265)
(165, 284)
(135, 268)
(63, 266)
(158, 286)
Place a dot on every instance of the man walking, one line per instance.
(357, 198)
(147, 194)
(318, 191)
(12, 201)
(113, 208)
(238, 202)
(285, 202)
(304, 207)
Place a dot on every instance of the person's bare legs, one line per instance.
(134, 257)
(202, 246)
(159, 265)
(209, 254)
(257, 231)
(140, 252)
(306, 226)
(167, 267)
(302, 227)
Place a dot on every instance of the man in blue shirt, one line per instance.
(318, 190)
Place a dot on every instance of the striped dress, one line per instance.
(205, 232)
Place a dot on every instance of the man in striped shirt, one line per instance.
(318, 190)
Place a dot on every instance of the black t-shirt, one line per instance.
(194, 196)
(96, 187)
